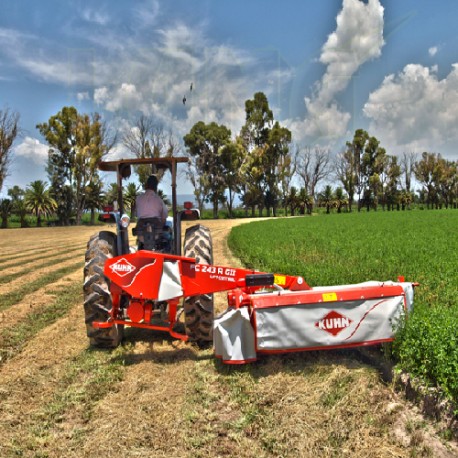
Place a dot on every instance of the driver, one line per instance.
(149, 204)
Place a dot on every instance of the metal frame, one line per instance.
(123, 170)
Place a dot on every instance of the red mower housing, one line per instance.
(266, 314)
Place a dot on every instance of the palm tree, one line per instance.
(38, 200)
(112, 193)
(20, 209)
(293, 200)
(306, 202)
(326, 198)
(130, 196)
(161, 194)
(340, 199)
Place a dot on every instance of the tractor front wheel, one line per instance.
(199, 309)
(97, 297)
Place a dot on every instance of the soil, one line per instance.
(176, 401)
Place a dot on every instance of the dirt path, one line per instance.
(157, 397)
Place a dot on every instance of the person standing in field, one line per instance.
(149, 204)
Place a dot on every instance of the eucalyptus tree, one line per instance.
(147, 138)
(277, 162)
(77, 143)
(286, 171)
(345, 173)
(359, 168)
(407, 169)
(207, 143)
(198, 181)
(448, 181)
(267, 146)
(254, 135)
(9, 129)
(232, 158)
(374, 162)
(258, 122)
(392, 192)
(353, 156)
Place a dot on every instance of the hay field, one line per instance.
(156, 397)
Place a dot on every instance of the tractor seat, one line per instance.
(148, 231)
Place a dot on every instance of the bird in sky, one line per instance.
(184, 100)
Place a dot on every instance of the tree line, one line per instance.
(261, 166)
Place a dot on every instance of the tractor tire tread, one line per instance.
(96, 288)
(199, 309)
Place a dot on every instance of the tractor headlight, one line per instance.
(125, 221)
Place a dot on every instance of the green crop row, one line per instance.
(351, 248)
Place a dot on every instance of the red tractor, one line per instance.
(152, 236)
(152, 285)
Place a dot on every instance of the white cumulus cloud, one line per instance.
(31, 148)
(357, 39)
(415, 110)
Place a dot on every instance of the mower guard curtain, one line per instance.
(233, 337)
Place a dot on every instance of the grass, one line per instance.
(86, 379)
(351, 248)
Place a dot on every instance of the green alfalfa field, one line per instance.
(335, 249)
(155, 397)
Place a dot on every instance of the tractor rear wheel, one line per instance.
(198, 310)
(97, 298)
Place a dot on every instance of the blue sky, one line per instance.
(327, 68)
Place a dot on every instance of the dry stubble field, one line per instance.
(155, 397)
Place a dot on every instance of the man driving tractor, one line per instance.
(149, 204)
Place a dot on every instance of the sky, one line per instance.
(326, 67)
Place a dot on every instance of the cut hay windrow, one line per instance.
(25, 255)
(12, 297)
(36, 263)
(14, 338)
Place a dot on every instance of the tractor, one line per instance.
(151, 236)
